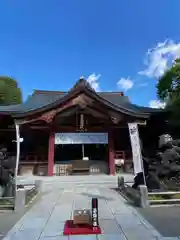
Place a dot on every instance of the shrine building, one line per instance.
(76, 132)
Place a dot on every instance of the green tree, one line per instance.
(168, 87)
(168, 90)
(10, 93)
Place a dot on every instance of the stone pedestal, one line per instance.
(20, 200)
(38, 184)
(143, 196)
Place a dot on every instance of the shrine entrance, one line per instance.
(69, 152)
(81, 153)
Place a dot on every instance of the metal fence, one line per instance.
(168, 197)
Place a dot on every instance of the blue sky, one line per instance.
(117, 45)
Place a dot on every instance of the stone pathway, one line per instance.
(118, 220)
(69, 180)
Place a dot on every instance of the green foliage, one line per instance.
(168, 87)
(165, 196)
(168, 90)
(10, 93)
(155, 197)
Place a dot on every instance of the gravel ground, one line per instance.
(9, 218)
(165, 219)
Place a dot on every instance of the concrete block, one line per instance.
(28, 234)
(53, 229)
(55, 238)
(82, 237)
(38, 184)
(20, 200)
(120, 182)
(144, 202)
(109, 226)
(111, 236)
(33, 223)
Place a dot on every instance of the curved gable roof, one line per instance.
(42, 100)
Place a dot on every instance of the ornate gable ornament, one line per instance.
(82, 83)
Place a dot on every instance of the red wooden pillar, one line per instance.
(111, 153)
(51, 154)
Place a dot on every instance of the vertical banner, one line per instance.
(95, 222)
(17, 149)
(136, 149)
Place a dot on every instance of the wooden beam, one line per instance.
(7, 130)
(47, 116)
(39, 127)
(96, 113)
(142, 122)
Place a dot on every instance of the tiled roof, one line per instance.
(45, 99)
(41, 99)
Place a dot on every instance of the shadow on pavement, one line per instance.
(96, 196)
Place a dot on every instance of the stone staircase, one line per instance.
(76, 180)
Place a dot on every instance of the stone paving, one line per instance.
(68, 180)
(118, 220)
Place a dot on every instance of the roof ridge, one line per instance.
(113, 92)
(38, 91)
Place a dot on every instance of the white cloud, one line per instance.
(93, 79)
(156, 104)
(142, 85)
(125, 84)
(159, 58)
